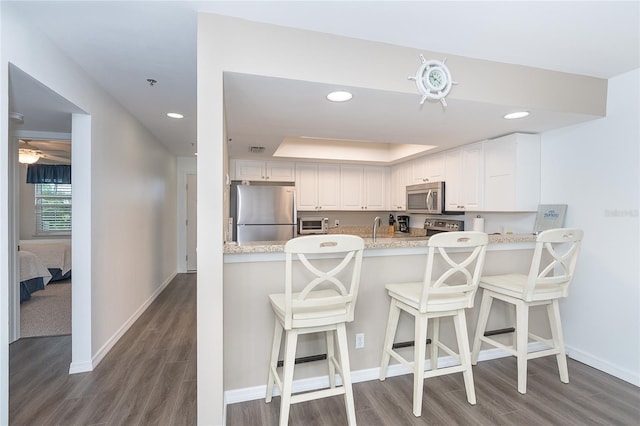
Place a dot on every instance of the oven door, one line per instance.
(424, 201)
(432, 232)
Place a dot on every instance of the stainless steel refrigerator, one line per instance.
(263, 211)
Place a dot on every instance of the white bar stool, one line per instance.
(437, 296)
(548, 280)
(324, 305)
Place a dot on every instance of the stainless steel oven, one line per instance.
(435, 226)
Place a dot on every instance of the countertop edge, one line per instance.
(274, 250)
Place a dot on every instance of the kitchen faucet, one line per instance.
(376, 223)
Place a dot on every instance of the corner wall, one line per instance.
(129, 233)
(594, 168)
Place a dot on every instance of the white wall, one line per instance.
(594, 168)
(129, 208)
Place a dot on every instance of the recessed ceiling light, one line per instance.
(339, 96)
(175, 115)
(514, 115)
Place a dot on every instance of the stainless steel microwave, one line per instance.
(426, 198)
(313, 225)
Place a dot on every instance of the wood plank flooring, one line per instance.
(149, 377)
(591, 398)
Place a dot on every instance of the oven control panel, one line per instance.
(443, 225)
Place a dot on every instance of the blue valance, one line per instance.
(49, 173)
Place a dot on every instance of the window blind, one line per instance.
(53, 208)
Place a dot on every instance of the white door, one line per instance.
(192, 223)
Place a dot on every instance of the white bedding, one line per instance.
(55, 254)
(31, 267)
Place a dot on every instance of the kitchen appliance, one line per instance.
(313, 225)
(262, 211)
(403, 224)
(426, 198)
(435, 226)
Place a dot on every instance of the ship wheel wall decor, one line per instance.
(433, 80)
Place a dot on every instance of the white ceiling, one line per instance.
(121, 44)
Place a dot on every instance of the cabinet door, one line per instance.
(279, 171)
(307, 186)
(374, 188)
(500, 181)
(328, 187)
(453, 181)
(351, 181)
(512, 173)
(398, 192)
(436, 168)
(473, 176)
(419, 170)
(250, 170)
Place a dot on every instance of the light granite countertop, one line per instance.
(384, 241)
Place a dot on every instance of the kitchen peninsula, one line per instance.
(253, 271)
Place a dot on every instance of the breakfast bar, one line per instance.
(254, 270)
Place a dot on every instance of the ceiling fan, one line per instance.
(52, 152)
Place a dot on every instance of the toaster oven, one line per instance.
(313, 225)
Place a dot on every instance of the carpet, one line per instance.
(48, 312)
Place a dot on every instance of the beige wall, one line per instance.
(248, 318)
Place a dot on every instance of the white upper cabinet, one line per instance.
(276, 171)
(512, 173)
(427, 169)
(399, 181)
(363, 188)
(464, 178)
(317, 186)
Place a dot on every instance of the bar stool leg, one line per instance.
(553, 310)
(331, 358)
(460, 324)
(392, 325)
(483, 317)
(522, 341)
(420, 348)
(346, 373)
(273, 363)
(290, 343)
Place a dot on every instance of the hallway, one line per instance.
(149, 377)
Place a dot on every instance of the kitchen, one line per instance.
(390, 257)
(351, 74)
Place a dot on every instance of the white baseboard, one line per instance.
(602, 365)
(80, 367)
(303, 385)
(104, 350)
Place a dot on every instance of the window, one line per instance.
(53, 208)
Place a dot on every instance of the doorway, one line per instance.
(44, 113)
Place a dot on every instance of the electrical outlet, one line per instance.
(359, 340)
(336, 222)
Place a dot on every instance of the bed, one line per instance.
(54, 254)
(34, 275)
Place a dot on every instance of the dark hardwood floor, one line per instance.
(149, 377)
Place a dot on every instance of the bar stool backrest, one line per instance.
(554, 260)
(470, 268)
(310, 251)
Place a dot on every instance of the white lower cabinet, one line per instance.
(317, 186)
(512, 173)
(362, 188)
